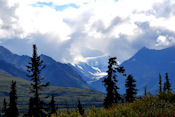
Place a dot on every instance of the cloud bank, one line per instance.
(73, 30)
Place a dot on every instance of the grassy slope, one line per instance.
(64, 95)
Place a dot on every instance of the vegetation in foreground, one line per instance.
(162, 105)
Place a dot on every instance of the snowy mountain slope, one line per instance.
(93, 69)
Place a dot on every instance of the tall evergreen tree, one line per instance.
(80, 108)
(160, 83)
(164, 87)
(34, 69)
(110, 83)
(52, 105)
(145, 91)
(12, 110)
(4, 107)
(167, 85)
(131, 90)
(31, 107)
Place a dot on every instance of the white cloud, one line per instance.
(97, 27)
(162, 40)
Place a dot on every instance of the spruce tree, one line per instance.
(145, 91)
(164, 87)
(160, 83)
(110, 81)
(52, 105)
(12, 110)
(80, 108)
(4, 107)
(167, 85)
(131, 90)
(34, 69)
(31, 108)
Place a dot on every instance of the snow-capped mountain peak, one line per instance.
(94, 69)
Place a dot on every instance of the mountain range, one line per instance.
(58, 74)
(145, 67)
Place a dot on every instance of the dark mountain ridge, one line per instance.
(145, 67)
(58, 74)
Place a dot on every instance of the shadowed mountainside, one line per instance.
(145, 66)
(58, 74)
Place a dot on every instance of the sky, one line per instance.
(75, 30)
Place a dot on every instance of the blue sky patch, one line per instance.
(41, 4)
(63, 7)
(57, 7)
